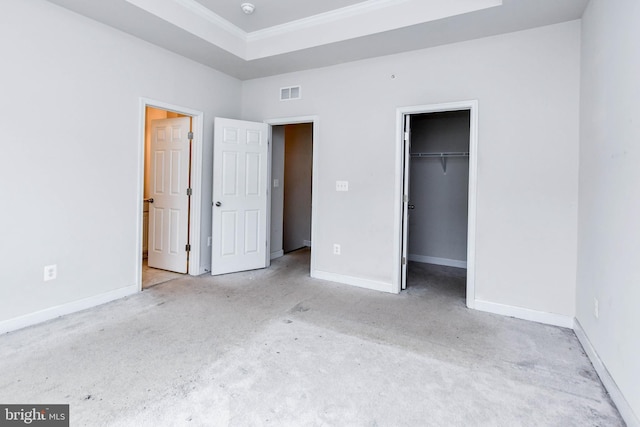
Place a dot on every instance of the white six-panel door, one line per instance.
(240, 172)
(169, 212)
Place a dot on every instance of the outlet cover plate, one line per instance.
(342, 185)
(50, 272)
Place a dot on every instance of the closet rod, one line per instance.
(447, 154)
(442, 156)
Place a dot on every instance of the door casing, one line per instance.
(196, 183)
(472, 107)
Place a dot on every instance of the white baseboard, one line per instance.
(438, 261)
(307, 243)
(609, 383)
(525, 313)
(353, 281)
(60, 310)
(278, 254)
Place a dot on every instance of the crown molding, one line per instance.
(323, 18)
(357, 20)
(213, 17)
(299, 24)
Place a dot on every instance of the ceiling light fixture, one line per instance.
(247, 8)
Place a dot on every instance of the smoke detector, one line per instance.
(247, 8)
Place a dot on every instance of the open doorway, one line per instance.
(170, 180)
(437, 180)
(292, 210)
(291, 175)
(167, 170)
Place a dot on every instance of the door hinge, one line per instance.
(190, 135)
(187, 248)
(405, 198)
(189, 192)
(404, 260)
(406, 136)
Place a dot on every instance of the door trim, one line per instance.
(315, 120)
(472, 107)
(196, 182)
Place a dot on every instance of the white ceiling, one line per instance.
(269, 13)
(291, 35)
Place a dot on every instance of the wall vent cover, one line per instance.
(290, 93)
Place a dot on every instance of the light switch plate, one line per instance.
(342, 185)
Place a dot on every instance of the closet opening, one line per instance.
(437, 173)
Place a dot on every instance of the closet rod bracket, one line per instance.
(443, 161)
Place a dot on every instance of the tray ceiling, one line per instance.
(290, 35)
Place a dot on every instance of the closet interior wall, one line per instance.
(439, 188)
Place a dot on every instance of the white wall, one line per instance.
(527, 84)
(609, 234)
(69, 108)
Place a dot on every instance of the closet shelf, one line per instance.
(442, 156)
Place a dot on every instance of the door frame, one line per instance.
(315, 121)
(472, 107)
(197, 127)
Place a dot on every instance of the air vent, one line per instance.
(290, 93)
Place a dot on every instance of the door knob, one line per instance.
(411, 206)
(218, 204)
(149, 200)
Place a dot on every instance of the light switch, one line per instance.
(342, 185)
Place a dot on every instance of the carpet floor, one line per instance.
(275, 347)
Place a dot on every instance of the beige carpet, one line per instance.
(275, 347)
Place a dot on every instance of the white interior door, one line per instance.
(405, 199)
(240, 183)
(169, 211)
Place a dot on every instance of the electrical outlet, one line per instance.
(342, 185)
(50, 272)
(596, 308)
(336, 249)
(209, 241)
